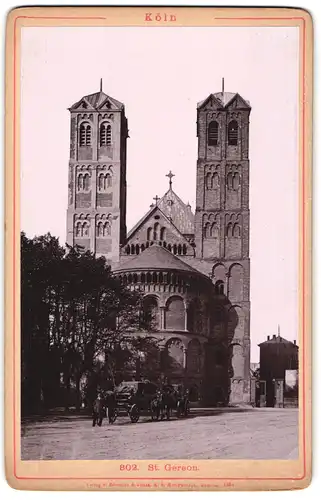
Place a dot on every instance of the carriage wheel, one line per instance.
(134, 414)
(113, 416)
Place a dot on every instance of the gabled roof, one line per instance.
(224, 99)
(155, 258)
(174, 210)
(97, 99)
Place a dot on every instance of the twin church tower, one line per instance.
(214, 241)
(96, 217)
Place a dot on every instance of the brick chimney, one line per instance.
(268, 337)
(294, 342)
(274, 337)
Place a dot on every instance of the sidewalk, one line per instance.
(235, 409)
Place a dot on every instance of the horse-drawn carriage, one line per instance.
(136, 398)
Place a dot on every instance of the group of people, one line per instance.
(104, 406)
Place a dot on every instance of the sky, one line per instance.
(160, 74)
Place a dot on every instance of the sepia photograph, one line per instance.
(159, 235)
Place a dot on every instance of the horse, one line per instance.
(160, 406)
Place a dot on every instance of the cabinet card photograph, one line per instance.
(158, 210)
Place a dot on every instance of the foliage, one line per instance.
(80, 327)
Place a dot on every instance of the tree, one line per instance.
(80, 325)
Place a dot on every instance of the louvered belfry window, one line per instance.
(232, 133)
(213, 133)
(105, 134)
(85, 134)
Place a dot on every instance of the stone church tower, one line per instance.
(222, 217)
(96, 215)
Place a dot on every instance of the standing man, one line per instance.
(98, 411)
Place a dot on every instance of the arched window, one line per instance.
(132, 249)
(100, 229)
(208, 182)
(107, 229)
(184, 249)
(162, 234)
(86, 182)
(101, 182)
(78, 230)
(214, 230)
(149, 234)
(108, 180)
(212, 137)
(215, 180)
(85, 229)
(156, 231)
(236, 231)
(85, 134)
(236, 180)
(175, 249)
(179, 249)
(108, 133)
(207, 230)
(175, 314)
(229, 230)
(230, 180)
(105, 134)
(232, 133)
(80, 183)
(219, 287)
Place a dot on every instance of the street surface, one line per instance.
(226, 434)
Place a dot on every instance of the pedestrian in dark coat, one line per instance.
(111, 406)
(98, 411)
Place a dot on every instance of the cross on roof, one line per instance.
(170, 175)
(156, 199)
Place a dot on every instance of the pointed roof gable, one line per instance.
(155, 258)
(177, 212)
(97, 100)
(174, 210)
(141, 221)
(224, 99)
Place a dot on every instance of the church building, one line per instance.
(193, 268)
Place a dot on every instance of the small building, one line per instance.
(277, 357)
